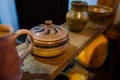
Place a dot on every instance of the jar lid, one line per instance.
(49, 33)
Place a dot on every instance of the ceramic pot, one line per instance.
(10, 62)
(50, 39)
(77, 16)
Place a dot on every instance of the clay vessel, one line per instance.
(77, 16)
(51, 40)
(10, 62)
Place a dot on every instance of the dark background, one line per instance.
(34, 12)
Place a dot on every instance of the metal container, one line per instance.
(50, 39)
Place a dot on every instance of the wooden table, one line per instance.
(37, 68)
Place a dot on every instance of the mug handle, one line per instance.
(29, 48)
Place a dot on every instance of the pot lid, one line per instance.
(48, 32)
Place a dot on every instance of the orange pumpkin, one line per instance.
(95, 54)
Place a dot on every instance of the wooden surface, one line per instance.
(112, 4)
(36, 68)
(48, 68)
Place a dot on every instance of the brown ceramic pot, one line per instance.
(77, 17)
(10, 62)
(50, 39)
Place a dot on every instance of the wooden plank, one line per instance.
(51, 67)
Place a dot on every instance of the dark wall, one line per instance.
(34, 12)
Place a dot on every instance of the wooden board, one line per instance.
(48, 68)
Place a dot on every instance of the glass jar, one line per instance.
(77, 16)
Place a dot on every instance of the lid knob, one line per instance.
(48, 22)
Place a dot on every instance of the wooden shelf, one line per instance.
(48, 68)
